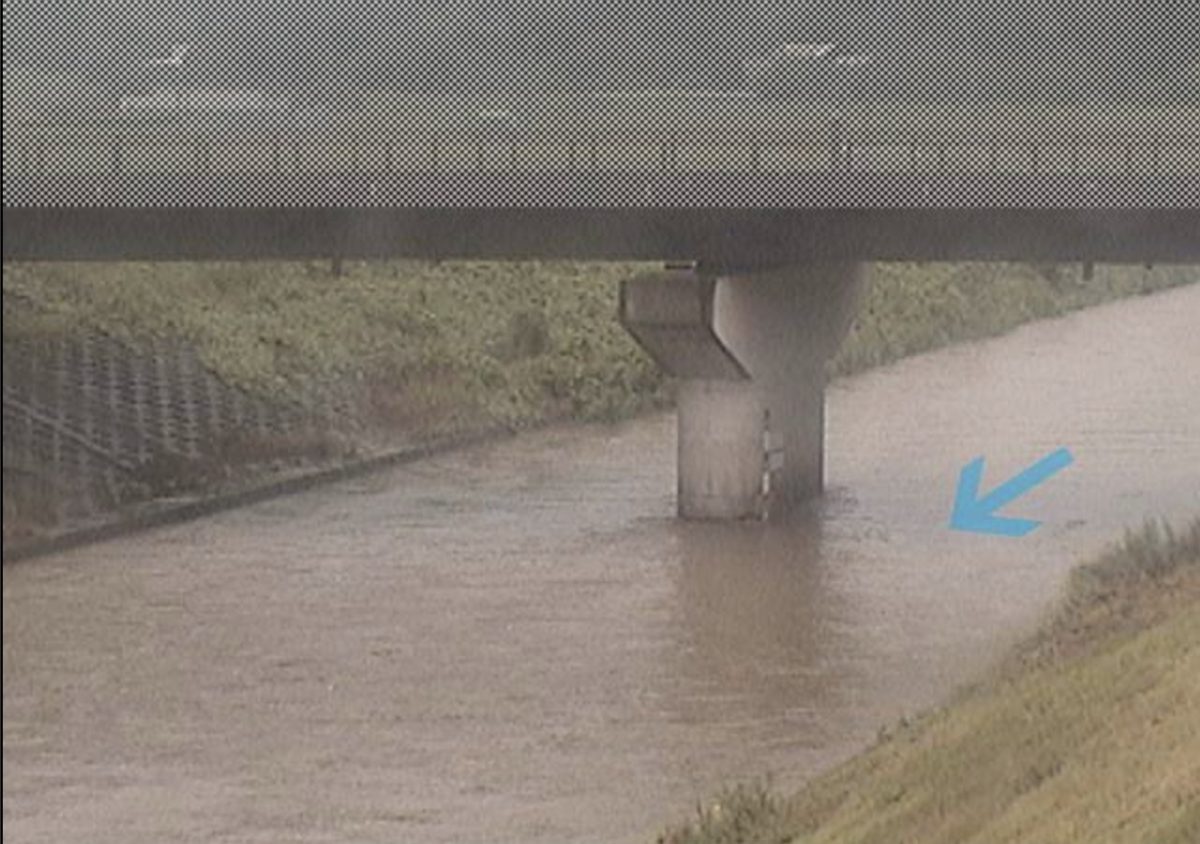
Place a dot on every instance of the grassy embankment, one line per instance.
(421, 348)
(1089, 732)
(435, 349)
(397, 353)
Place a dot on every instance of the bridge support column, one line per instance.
(750, 350)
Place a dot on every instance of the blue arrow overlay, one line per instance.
(975, 514)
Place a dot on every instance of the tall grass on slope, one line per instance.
(911, 308)
(1153, 553)
(430, 348)
(1137, 582)
(439, 344)
(1092, 735)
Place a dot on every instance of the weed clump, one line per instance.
(740, 814)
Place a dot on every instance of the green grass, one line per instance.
(912, 308)
(436, 347)
(432, 349)
(1091, 732)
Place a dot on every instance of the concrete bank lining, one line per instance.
(167, 512)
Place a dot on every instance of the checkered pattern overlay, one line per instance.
(398, 115)
(86, 416)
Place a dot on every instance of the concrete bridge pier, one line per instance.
(750, 349)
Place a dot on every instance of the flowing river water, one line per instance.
(518, 642)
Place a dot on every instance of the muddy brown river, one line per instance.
(519, 642)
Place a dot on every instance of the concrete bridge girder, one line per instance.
(750, 349)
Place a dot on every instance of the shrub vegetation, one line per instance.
(438, 348)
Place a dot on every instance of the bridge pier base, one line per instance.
(750, 350)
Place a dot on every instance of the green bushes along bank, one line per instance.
(440, 348)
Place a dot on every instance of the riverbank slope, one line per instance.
(1089, 732)
(130, 385)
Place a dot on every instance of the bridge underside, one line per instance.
(732, 237)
